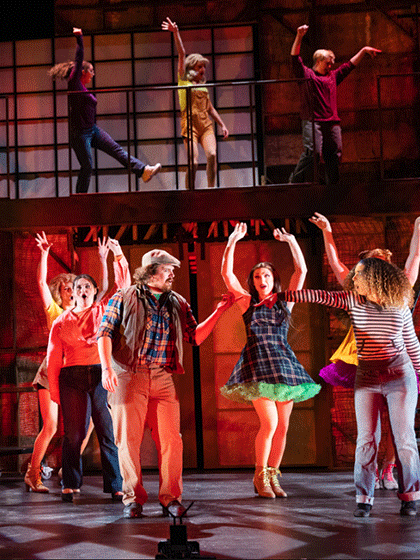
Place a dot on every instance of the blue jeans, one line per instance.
(80, 390)
(398, 386)
(328, 143)
(82, 141)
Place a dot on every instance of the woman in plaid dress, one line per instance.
(267, 374)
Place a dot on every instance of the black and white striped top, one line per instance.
(382, 333)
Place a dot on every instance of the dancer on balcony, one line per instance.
(319, 104)
(267, 374)
(192, 72)
(84, 132)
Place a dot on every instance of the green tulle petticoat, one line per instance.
(248, 392)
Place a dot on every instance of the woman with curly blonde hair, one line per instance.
(388, 354)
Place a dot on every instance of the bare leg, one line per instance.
(284, 410)
(49, 414)
(209, 146)
(194, 166)
(268, 417)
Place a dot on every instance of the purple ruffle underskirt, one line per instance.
(339, 374)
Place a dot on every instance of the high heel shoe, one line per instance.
(67, 496)
(274, 481)
(33, 481)
(262, 484)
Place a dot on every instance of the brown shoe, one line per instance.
(262, 483)
(274, 481)
(150, 172)
(33, 481)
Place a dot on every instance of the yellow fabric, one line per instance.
(182, 94)
(52, 312)
(347, 351)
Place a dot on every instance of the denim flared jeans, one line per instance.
(81, 391)
(82, 143)
(398, 386)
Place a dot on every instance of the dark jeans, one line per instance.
(328, 143)
(80, 389)
(82, 141)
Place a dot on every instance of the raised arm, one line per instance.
(44, 246)
(171, 26)
(103, 251)
(299, 274)
(340, 270)
(357, 58)
(300, 33)
(412, 263)
(230, 279)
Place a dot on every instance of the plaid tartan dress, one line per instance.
(268, 366)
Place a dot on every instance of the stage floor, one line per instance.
(226, 519)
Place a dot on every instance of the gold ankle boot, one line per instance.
(262, 484)
(274, 481)
(33, 480)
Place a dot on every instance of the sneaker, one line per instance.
(377, 479)
(408, 508)
(362, 510)
(388, 479)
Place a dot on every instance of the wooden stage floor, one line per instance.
(226, 519)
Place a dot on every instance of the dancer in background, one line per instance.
(84, 132)
(267, 374)
(74, 373)
(319, 104)
(378, 301)
(57, 296)
(342, 370)
(191, 72)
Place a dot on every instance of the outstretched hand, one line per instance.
(114, 246)
(371, 51)
(283, 235)
(227, 301)
(239, 232)
(42, 242)
(169, 25)
(320, 221)
(103, 248)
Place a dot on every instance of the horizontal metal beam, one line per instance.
(266, 202)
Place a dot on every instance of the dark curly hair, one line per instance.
(387, 282)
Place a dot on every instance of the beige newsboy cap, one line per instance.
(157, 256)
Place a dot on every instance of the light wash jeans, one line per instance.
(147, 397)
(398, 386)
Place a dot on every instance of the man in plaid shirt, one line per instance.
(140, 343)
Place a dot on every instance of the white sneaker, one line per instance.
(150, 172)
(388, 479)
